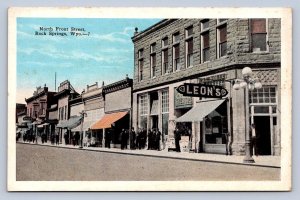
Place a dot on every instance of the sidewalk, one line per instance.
(263, 161)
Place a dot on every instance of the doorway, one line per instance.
(263, 136)
(154, 122)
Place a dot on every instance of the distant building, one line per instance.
(117, 108)
(20, 109)
(37, 108)
(64, 93)
(210, 51)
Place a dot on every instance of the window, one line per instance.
(189, 46)
(189, 52)
(176, 63)
(152, 60)
(65, 112)
(222, 40)
(164, 56)
(143, 104)
(204, 24)
(30, 113)
(222, 20)
(263, 95)
(176, 37)
(258, 35)
(164, 42)
(62, 113)
(165, 101)
(140, 64)
(189, 32)
(205, 46)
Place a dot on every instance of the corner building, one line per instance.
(210, 51)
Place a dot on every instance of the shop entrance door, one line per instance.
(263, 135)
(154, 123)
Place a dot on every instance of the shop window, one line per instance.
(165, 101)
(165, 123)
(266, 94)
(258, 35)
(143, 104)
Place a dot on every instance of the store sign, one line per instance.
(202, 90)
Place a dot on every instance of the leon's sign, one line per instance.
(201, 90)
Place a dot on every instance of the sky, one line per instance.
(101, 51)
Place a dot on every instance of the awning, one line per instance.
(85, 126)
(108, 119)
(199, 111)
(73, 122)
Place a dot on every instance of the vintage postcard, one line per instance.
(149, 99)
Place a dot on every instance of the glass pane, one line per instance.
(261, 109)
(223, 49)
(259, 42)
(165, 120)
(274, 109)
(205, 25)
(273, 100)
(205, 54)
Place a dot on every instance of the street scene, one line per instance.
(148, 99)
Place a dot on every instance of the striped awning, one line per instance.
(71, 123)
(108, 120)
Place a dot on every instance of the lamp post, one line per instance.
(248, 83)
(83, 114)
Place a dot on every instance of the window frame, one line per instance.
(219, 43)
(266, 35)
(189, 38)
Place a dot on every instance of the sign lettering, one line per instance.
(202, 90)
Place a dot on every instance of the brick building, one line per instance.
(214, 51)
(37, 109)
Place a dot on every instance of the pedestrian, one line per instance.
(149, 139)
(107, 138)
(138, 138)
(158, 139)
(56, 139)
(123, 138)
(177, 136)
(154, 142)
(254, 150)
(133, 139)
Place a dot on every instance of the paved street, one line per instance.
(44, 163)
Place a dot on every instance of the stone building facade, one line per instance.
(210, 51)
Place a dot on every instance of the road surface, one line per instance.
(46, 163)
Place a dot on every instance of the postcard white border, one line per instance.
(130, 12)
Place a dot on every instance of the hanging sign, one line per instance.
(202, 90)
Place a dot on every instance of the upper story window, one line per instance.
(205, 46)
(153, 60)
(189, 46)
(164, 59)
(176, 37)
(176, 60)
(164, 42)
(140, 64)
(222, 40)
(258, 35)
(221, 20)
(204, 24)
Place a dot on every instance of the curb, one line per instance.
(157, 156)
